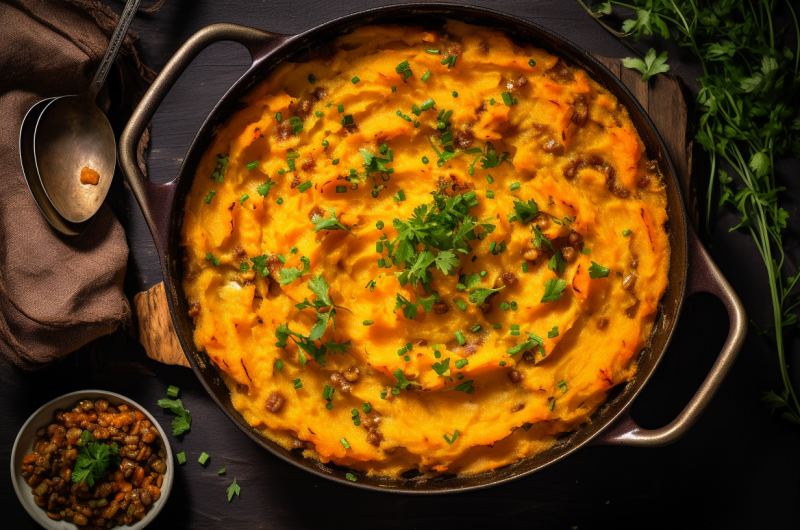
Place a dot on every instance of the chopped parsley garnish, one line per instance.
(375, 164)
(553, 333)
(291, 274)
(491, 158)
(466, 387)
(404, 69)
(183, 421)
(509, 99)
(410, 308)
(95, 460)
(442, 368)
(598, 271)
(297, 125)
(526, 210)
(222, 166)
(451, 439)
(478, 296)
(331, 223)
(553, 289)
(318, 286)
(233, 489)
(556, 263)
(532, 342)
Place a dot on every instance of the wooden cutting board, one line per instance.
(663, 100)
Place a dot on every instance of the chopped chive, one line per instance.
(340, 108)
(489, 179)
(341, 189)
(203, 458)
(304, 186)
(426, 76)
(172, 391)
(460, 338)
(515, 186)
(461, 363)
(278, 117)
(312, 79)
(252, 165)
(489, 194)
(368, 322)
(345, 444)
(181, 458)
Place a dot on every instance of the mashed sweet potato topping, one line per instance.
(432, 250)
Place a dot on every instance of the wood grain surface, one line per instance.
(662, 97)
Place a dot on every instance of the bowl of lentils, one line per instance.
(92, 459)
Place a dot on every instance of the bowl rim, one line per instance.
(20, 483)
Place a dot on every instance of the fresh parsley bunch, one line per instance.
(750, 106)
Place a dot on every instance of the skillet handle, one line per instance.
(704, 276)
(155, 200)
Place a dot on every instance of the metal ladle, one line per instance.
(71, 134)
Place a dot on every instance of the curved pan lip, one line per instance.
(447, 10)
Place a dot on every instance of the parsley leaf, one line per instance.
(556, 263)
(291, 274)
(263, 189)
(95, 459)
(553, 289)
(466, 387)
(532, 342)
(526, 210)
(651, 65)
(410, 309)
(443, 368)
(331, 223)
(183, 421)
(233, 489)
(478, 296)
(597, 271)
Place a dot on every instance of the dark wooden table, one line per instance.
(737, 468)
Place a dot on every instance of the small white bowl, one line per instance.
(23, 445)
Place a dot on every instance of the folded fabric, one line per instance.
(56, 292)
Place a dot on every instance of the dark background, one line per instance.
(737, 468)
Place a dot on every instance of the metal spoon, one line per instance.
(72, 133)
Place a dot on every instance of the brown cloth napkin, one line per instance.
(56, 292)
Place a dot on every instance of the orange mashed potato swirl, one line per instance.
(344, 328)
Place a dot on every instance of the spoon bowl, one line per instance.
(28, 162)
(71, 134)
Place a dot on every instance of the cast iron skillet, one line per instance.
(691, 269)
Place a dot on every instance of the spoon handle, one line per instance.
(113, 47)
